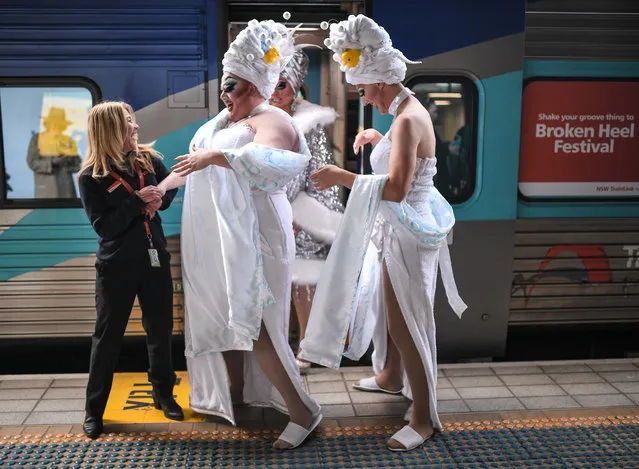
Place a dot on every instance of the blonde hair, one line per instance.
(106, 132)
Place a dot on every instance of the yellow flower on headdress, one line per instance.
(271, 55)
(350, 57)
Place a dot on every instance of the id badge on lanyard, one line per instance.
(155, 259)
(153, 253)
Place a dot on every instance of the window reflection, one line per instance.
(450, 107)
(44, 140)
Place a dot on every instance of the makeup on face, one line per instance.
(283, 96)
(229, 85)
(361, 92)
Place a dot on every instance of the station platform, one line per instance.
(568, 414)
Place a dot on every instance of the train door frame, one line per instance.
(230, 12)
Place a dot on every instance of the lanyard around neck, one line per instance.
(130, 190)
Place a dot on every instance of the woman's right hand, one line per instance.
(150, 194)
(365, 137)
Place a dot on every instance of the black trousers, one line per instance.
(116, 286)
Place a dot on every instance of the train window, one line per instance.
(452, 104)
(43, 142)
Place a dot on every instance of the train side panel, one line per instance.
(576, 258)
(154, 54)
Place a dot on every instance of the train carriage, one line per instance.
(544, 236)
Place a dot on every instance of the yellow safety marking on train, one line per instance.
(131, 400)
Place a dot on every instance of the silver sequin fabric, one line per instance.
(321, 155)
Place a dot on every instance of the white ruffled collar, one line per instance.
(308, 116)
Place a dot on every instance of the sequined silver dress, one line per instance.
(319, 213)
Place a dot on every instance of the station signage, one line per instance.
(579, 139)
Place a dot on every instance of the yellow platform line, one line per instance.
(131, 400)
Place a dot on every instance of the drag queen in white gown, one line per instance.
(237, 242)
(381, 272)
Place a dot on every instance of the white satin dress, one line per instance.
(208, 377)
(413, 273)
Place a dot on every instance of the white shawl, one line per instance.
(224, 283)
(343, 282)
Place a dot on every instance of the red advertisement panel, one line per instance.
(580, 139)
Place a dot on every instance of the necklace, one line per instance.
(398, 100)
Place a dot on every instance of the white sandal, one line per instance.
(295, 434)
(302, 365)
(370, 385)
(409, 438)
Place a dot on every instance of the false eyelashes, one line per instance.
(229, 85)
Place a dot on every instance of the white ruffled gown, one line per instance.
(208, 377)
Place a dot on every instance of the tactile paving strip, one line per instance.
(560, 443)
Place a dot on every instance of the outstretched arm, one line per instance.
(161, 175)
(331, 175)
(172, 181)
(199, 158)
(371, 136)
(402, 165)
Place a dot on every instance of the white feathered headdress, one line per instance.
(259, 53)
(365, 52)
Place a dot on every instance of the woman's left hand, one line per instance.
(199, 158)
(327, 176)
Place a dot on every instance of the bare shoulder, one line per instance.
(275, 130)
(407, 124)
(274, 121)
(417, 115)
(271, 118)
